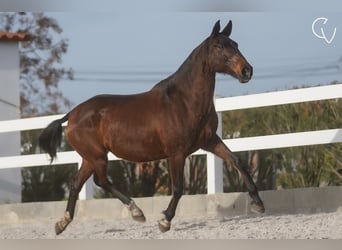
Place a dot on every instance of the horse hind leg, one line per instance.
(83, 174)
(101, 180)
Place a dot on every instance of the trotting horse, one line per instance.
(172, 120)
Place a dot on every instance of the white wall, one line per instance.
(10, 179)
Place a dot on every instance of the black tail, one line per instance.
(51, 137)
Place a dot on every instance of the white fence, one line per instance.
(214, 166)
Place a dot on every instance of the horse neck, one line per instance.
(194, 78)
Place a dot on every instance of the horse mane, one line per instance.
(187, 64)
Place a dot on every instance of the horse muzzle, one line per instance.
(246, 74)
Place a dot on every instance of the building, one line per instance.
(10, 179)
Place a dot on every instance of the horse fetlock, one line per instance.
(164, 225)
(63, 223)
(136, 212)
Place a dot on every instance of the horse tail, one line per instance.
(51, 137)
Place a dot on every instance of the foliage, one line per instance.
(46, 183)
(40, 72)
(152, 178)
(40, 62)
(308, 166)
(196, 175)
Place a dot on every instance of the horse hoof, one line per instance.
(257, 207)
(139, 218)
(164, 225)
(61, 225)
(58, 228)
(136, 212)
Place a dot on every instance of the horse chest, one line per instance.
(193, 132)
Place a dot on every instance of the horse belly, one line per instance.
(135, 145)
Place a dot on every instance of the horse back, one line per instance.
(123, 124)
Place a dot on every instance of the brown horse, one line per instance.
(172, 120)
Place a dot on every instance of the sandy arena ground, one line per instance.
(298, 226)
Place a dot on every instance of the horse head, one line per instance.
(224, 55)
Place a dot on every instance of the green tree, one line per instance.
(306, 166)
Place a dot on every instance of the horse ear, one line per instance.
(228, 29)
(216, 29)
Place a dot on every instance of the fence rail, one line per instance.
(214, 166)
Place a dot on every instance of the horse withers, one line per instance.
(172, 120)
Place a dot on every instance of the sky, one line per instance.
(125, 52)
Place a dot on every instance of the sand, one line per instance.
(282, 226)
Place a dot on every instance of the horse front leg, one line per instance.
(177, 179)
(217, 147)
(83, 174)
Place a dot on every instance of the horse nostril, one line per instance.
(247, 72)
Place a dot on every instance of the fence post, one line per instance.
(215, 166)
